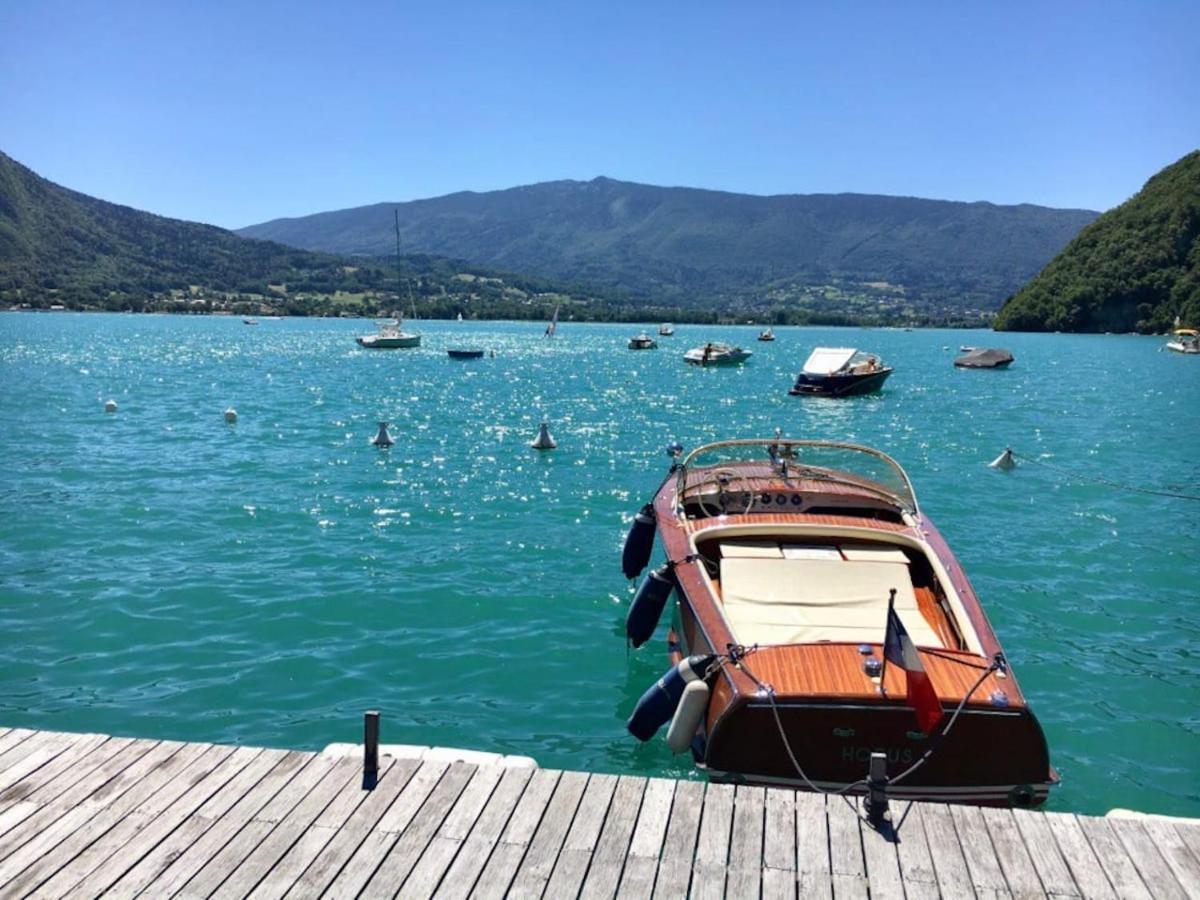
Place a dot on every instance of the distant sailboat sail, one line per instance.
(553, 326)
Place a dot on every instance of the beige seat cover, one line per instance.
(800, 601)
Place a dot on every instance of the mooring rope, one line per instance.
(1178, 495)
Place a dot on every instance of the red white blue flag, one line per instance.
(899, 649)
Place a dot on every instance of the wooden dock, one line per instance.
(85, 815)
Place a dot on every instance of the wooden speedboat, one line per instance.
(790, 560)
(715, 353)
(840, 372)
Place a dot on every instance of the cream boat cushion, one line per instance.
(801, 601)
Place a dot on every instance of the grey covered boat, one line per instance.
(984, 358)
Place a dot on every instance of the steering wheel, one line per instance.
(727, 483)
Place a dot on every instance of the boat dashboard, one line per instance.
(720, 499)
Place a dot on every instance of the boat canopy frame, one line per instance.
(792, 450)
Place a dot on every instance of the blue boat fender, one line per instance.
(658, 704)
(648, 603)
(691, 709)
(639, 542)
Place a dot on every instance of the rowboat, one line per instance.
(820, 619)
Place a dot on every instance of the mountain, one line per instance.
(1135, 268)
(58, 246)
(689, 246)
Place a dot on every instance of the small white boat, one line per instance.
(716, 354)
(767, 335)
(666, 329)
(391, 336)
(1185, 340)
(250, 321)
(643, 342)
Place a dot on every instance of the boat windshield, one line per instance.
(831, 460)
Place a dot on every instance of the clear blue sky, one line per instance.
(238, 112)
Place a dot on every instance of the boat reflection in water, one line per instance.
(820, 617)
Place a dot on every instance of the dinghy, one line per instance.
(820, 618)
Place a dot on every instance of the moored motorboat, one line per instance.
(666, 329)
(715, 353)
(984, 358)
(1185, 340)
(643, 341)
(840, 372)
(464, 354)
(820, 619)
(391, 336)
(767, 335)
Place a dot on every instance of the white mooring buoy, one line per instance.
(110, 406)
(1004, 461)
(382, 437)
(544, 440)
(231, 415)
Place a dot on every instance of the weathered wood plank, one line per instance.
(712, 844)
(427, 874)
(196, 826)
(1115, 861)
(403, 856)
(375, 845)
(847, 866)
(134, 834)
(1077, 853)
(42, 742)
(986, 874)
(608, 859)
(881, 858)
(1051, 867)
(14, 737)
(50, 826)
(1175, 853)
(641, 863)
(478, 847)
(205, 880)
(744, 875)
(533, 874)
(779, 845)
(275, 846)
(576, 855)
(679, 847)
(73, 764)
(1190, 835)
(1015, 861)
(813, 865)
(344, 844)
(1145, 855)
(912, 851)
(506, 856)
(949, 863)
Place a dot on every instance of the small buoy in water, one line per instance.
(382, 437)
(1004, 461)
(543, 441)
(231, 415)
(110, 406)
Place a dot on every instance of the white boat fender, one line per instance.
(231, 415)
(1004, 461)
(692, 706)
(110, 406)
(657, 705)
(648, 603)
(639, 542)
(383, 437)
(544, 440)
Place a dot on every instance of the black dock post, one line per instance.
(370, 749)
(877, 804)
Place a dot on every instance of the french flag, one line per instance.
(899, 650)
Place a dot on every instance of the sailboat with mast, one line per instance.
(552, 327)
(391, 334)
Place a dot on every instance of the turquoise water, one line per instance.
(164, 574)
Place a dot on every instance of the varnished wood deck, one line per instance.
(84, 815)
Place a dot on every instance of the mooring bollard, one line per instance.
(877, 804)
(370, 749)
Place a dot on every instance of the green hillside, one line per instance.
(60, 247)
(1135, 268)
(709, 248)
